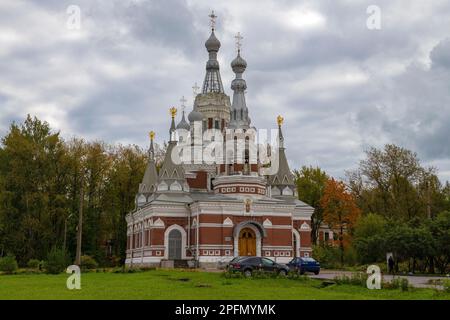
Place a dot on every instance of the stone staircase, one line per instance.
(178, 264)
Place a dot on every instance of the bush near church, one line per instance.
(87, 263)
(56, 261)
(35, 264)
(8, 264)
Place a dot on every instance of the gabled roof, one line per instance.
(150, 179)
(284, 176)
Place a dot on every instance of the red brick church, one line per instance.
(209, 212)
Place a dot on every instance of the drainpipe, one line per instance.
(142, 244)
(197, 252)
(294, 252)
(132, 241)
(189, 228)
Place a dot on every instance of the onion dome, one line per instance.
(195, 116)
(183, 123)
(239, 64)
(212, 44)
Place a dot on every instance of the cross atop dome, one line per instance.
(212, 20)
(195, 89)
(183, 103)
(238, 38)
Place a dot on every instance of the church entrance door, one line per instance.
(247, 242)
(175, 245)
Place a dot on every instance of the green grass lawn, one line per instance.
(171, 284)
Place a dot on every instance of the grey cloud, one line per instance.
(136, 58)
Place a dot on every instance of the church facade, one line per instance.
(211, 211)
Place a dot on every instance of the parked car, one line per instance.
(302, 265)
(247, 265)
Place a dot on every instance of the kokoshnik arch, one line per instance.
(212, 212)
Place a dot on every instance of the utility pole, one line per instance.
(80, 225)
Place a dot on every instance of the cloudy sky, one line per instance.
(340, 86)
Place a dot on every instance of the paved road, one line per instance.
(416, 281)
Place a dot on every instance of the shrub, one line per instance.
(35, 264)
(356, 279)
(328, 256)
(397, 283)
(87, 262)
(298, 277)
(404, 284)
(230, 274)
(350, 256)
(8, 264)
(56, 261)
(446, 285)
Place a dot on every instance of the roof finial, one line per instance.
(238, 38)
(280, 120)
(173, 112)
(195, 89)
(172, 133)
(183, 103)
(151, 150)
(212, 20)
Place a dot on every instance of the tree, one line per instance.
(440, 233)
(310, 185)
(391, 182)
(41, 176)
(33, 195)
(339, 210)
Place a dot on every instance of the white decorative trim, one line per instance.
(214, 246)
(279, 227)
(305, 227)
(297, 242)
(227, 222)
(267, 223)
(141, 199)
(159, 223)
(214, 225)
(175, 186)
(287, 191)
(162, 186)
(215, 259)
(275, 191)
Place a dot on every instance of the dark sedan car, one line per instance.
(247, 265)
(303, 265)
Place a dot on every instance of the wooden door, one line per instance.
(247, 242)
